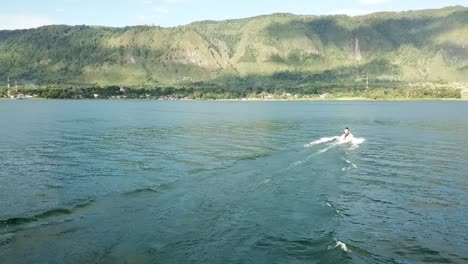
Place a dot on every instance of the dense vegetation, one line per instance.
(382, 55)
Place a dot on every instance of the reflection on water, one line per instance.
(213, 182)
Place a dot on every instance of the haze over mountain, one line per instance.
(413, 46)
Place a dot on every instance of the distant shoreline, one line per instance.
(248, 99)
(340, 99)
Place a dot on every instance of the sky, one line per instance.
(18, 14)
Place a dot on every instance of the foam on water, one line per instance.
(299, 162)
(320, 141)
(337, 140)
(333, 207)
(340, 245)
(330, 143)
(349, 166)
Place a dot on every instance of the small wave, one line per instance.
(340, 245)
(141, 190)
(294, 245)
(45, 215)
(350, 166)
(148, 189)
(297, 163)
(334, 208)
(253, 156)
(54, 186)
(266, 181)
(6, 238)
(198, 170)
(23, 220)
(84, 203)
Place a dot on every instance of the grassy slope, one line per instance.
(415, 46)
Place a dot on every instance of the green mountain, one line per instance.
(386, 47)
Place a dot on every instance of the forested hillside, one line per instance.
(307, 54)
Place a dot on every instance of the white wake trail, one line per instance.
(320, 141)
(353, 141)
(330, 142)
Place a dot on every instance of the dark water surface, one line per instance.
(231, 182)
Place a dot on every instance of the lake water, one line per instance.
(231, 182)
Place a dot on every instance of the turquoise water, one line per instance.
(231, 182)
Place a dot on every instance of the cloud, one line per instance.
(23, 21)
(178, 1)
(160, 10)
(144, 19)
(372, 2)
